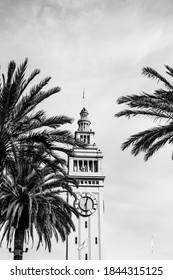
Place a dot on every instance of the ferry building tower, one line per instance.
(86, 243)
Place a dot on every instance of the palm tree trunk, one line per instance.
(18, 243)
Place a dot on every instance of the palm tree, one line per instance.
(30, 198)
(19, 123)
(158, 106)
(29, 142)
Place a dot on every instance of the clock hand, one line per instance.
(86, 203)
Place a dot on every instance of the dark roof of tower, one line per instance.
(84, 110)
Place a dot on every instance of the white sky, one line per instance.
(102, 46)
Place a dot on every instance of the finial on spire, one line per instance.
(83, 98)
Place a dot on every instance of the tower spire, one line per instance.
(84, 122)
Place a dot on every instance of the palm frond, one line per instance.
(170, 70)
(29, 79)
(155, 147)
(158, 106)
(133, 113)
(153, 74)
(36, 96)
(142, 141)
(11, 69)
(57, 121)
(11, 89)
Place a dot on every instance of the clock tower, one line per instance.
(86, 243)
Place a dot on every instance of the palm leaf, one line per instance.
(153, 74)
(158, 106)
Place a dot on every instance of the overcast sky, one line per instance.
(102, 45)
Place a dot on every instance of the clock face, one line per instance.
(86, 204)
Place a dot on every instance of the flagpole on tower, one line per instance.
(83, 98)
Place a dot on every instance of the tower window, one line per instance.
(75, 240)
(80, 165)
(86, 224)
(86, 256)
(85, 165)
(90, 166)
(95, 166)
(96, 241)
(75, 165)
